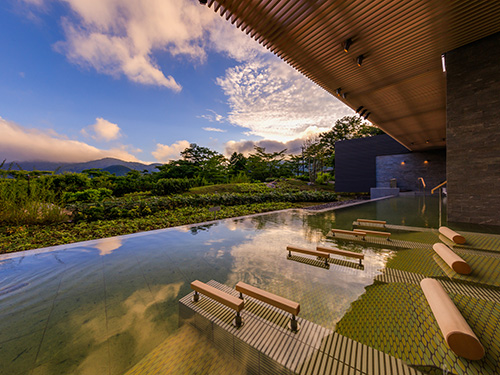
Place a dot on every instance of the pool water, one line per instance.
(103, 305)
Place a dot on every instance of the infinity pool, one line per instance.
(101, 306)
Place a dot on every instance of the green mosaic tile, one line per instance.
(396, 319)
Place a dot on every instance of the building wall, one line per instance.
(355, 165)
(407, 168)
(473, 132)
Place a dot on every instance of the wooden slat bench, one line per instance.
(272, 299)
(332, 250)
(361, 234)
(308, 252)
(453, 260)
(457, 333)
(380, 222)
(374, 233)
(226, 299)
(452, 235)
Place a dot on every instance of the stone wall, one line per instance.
(473, 132)
(407, 168)
(355, 164)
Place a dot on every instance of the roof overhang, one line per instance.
(400, 82)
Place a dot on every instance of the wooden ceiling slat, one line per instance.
(400, 81)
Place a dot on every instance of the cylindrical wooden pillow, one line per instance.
(452, 235)
(453, 260)
(457, 333)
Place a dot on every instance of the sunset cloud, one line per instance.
(293, 147)
(22, 144)
(273, 101)
(165, 153)
(102, 130)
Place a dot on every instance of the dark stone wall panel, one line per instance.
(473, 132)
(355, 165)
(407, 168)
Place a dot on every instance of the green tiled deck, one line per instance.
(394, 317)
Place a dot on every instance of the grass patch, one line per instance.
(26, 237)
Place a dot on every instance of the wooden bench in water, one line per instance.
(308, 252)
(272, 299)
(361, 234)
(333, 250)
(453, 260)
(452, 235)
(374, 233)
(380, 222)
(218, 295)
(457, 333)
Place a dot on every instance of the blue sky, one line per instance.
(140, 80)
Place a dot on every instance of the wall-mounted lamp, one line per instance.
(367, 115)
(359, 60)
(359, 109)
(403, 162)
(347, 44)
(427, 141)
(426, 161)
(338, 91)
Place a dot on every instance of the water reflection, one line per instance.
(107, 245)
(102, 306)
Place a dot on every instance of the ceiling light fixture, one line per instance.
(363, 113)
(367, 115)
(347, 44)
(359, 60)
(338, 91)
(359, 109)
(344, 95)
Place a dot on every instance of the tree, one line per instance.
(237, 163)
(263, 165)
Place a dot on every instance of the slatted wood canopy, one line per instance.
(400, 82)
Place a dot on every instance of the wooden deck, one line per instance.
(264, 344)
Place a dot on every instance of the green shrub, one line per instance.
(169, 186)
(89, 195)
(115, 209)
(240, 178)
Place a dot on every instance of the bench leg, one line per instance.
(360, 263)
(289, 253)
(196, 296)
(293, 324)
(237, 322)
(241, 296)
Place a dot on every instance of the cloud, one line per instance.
(23, 144)
(164, 153)
(102, 130)
(213, 117)
(248, 147)
(214, 130)
(276, 102)
(121, 37)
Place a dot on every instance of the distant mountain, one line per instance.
(79, 167)
(117, 170)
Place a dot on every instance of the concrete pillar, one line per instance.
(473, 132)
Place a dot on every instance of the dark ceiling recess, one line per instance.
(401, 79)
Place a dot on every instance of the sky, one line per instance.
(140, 80)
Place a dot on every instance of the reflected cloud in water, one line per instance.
(107, 245)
